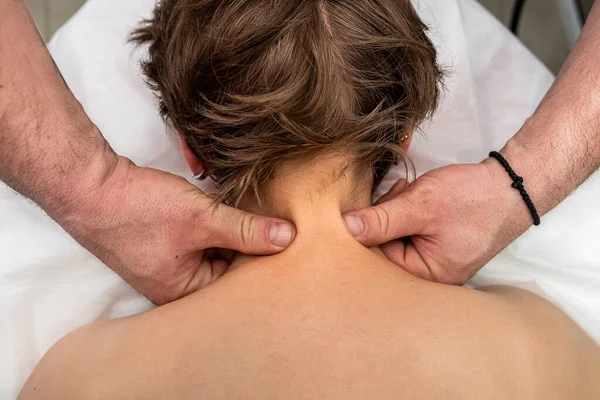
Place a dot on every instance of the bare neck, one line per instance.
(314, 194)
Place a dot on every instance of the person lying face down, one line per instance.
(297, 109)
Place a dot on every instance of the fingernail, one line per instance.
(355, 224)
(280, 234)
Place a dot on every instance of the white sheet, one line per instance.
(49, 285)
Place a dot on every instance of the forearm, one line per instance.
(49, 149)
(559, 146)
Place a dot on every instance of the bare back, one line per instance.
(350, 325)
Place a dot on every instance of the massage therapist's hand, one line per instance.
(150, 227)
(458, 217)
(454, 220)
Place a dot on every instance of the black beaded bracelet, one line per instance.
(518, 184)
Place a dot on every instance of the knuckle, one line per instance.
(247, 230)
(424, 196)
(448, 277)
(426, 201)
(383, 221)
(162, 297)
(168, 285)
(158, 298)
(154, 290)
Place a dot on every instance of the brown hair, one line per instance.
(250, 84)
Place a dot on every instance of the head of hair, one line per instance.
(250, 84)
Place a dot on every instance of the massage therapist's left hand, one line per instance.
(454, 219)
(150, 227)
(460, 216)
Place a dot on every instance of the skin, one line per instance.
(326, 318)
(460, 216)
(52, 153)
(150, 227)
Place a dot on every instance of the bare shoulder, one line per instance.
(558, 354)
(67, 368)
(115, 359)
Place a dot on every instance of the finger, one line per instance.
(230, 228)
(387, 221)
(407, 257)
(393, 192)
(208, 272)
(219, 267)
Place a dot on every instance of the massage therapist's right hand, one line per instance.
(152, 228)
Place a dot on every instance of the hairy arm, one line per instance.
(459, 217)
(49, 149)
(559, 146)
(149, 226)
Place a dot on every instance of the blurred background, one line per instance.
(548, 27)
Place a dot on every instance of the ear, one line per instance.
(196, 165)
